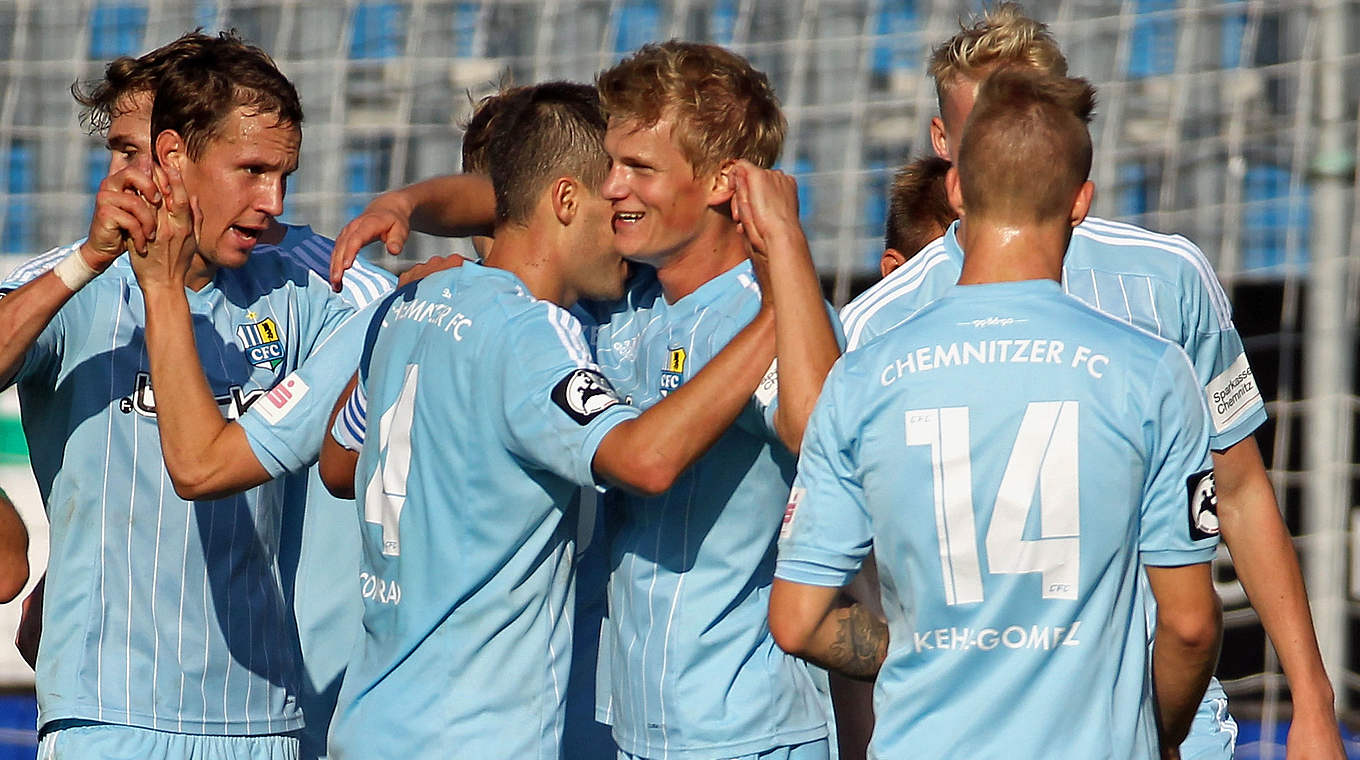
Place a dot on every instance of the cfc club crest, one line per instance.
(674, 371)
(261, 342)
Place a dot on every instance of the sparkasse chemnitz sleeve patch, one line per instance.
(583, 394)
(1203, 505)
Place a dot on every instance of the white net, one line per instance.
(1232, 122)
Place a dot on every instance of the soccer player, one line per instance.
(693, 670)
(918, 211)
(1016, 627)
(1164, 284)
(119, 105)
(488, 411)
(183, 595)
(13, 550)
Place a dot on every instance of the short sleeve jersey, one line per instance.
(486, 412)
(163, 613)
(693, 669)
(1015, 458)
(1161, 283)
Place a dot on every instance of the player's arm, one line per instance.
(824, 627)
(449, 206)
(205, 456)
(338, 463)
(121, 213)
(30, 624)
(1266, 565)
(649, 452)
(1185, 646)
(766, 203)
(13, 550)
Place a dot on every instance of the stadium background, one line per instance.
(1232, 122)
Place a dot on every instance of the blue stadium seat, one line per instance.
(365, 172)
(1269, 215)
(116, 29)
(1133, 190)
(898, 47)
(1152, 41)
(378, 30)
(20, 180)
(465, 17)
(638, 22)
(1230, 39)
(722, 21)
(876, 189)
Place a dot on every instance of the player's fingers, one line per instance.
(130, 227)
(127, 212)
(133, 180)
(396, 238)
(358, 233)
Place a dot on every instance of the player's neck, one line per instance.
(719, 248)
(201, 272)
(995, 252)
(524, 252)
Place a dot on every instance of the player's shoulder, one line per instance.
(1141, 344)
(31, 269)
(1125, 248)
(904, 291)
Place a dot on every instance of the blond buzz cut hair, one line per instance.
(1002, 36)
(722, 107)
(1026, 149)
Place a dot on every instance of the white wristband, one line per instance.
(73, 271)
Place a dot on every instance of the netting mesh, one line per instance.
(1231, 122)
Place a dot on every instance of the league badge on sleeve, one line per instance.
(261, 341)
(1203, 505)
(583, 394)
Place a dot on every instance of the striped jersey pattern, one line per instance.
(162, 613)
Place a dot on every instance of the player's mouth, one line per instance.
(247, 236)
(624, 219)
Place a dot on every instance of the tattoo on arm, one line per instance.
(859, 642)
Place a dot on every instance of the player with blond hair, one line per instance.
(1164, 284)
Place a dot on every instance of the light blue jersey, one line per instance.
(319, 547)
(1015, 458)
(486, 414)
(693, 669)
(1161, 283)
(161, 613)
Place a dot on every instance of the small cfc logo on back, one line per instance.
(583, 394)
(674, 371)
(1203, 505)
(261, 341)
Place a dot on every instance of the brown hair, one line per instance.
(197, 93)
(1026, 150)
(104, 99)
(481, 128)
(723, 108)
(1001, 36)
(918, 206)
(544, 132)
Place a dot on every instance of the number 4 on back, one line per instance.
(1044, 454)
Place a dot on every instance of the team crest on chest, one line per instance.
(674, 371)
(261, 341)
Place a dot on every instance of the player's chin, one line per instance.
(232, 255)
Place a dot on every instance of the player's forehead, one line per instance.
(248, 136)
(633, 138)
(130, 120)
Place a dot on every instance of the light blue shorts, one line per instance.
(103, 741)
(1213, 735)
(817, 750)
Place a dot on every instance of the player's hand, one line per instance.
(386, 218)
(427, 268)
(30, 625)
(166, 260)
(1314, 737)
(765, 204)
(124, 213)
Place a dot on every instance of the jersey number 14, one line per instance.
(1044, 454)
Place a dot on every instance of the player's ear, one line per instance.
(566, 199)
(892, 259)
(939, 139)
(953, 190)
(1081, 205)
(170, 149)
(724, 184)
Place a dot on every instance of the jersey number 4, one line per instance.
(1044, 454)
(386, 492)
